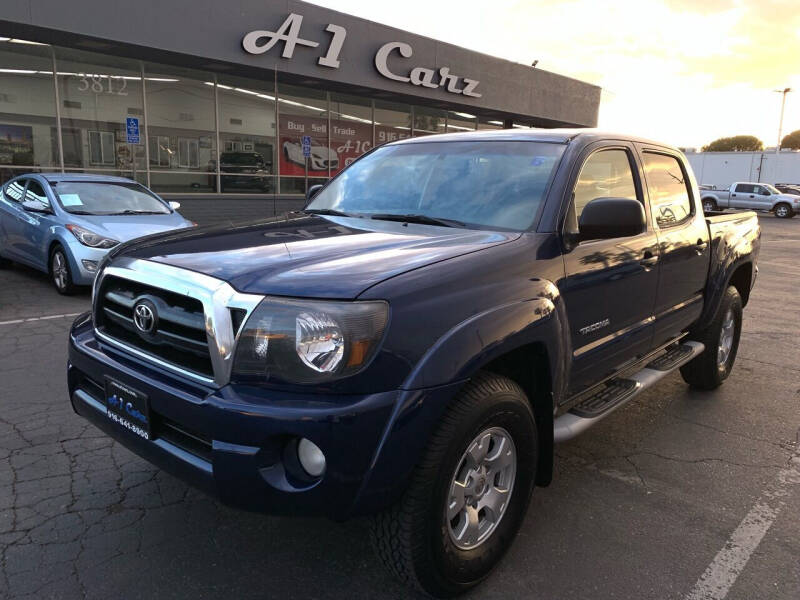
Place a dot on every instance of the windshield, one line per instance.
(107, 198)
(487, 184)
(771, 188)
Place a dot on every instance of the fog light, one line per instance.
(90, 265)
(311, 457)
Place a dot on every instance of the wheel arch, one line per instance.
(741, 278)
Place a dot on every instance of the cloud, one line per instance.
(684, 71)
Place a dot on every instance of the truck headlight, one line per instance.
(308, 341)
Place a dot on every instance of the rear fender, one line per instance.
(731, 248)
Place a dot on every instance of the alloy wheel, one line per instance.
(60, 273)
(726, 339)
(481, 488)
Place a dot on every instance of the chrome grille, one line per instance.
(180, 334)
(196, 317)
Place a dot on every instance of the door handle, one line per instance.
(701, 246)
(649, 261)
(752, 196)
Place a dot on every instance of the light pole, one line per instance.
(784, 91)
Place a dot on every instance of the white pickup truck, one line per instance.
(752, 196)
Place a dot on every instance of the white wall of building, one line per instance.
(723, 168)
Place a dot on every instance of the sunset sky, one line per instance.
(682, 71)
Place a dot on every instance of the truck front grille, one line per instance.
(178, 335)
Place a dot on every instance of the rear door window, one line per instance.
(744, 188)
(670, 199)
(15, 190)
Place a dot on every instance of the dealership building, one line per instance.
(251, 99)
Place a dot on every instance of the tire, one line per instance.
(709, 205)
(783, 211)
(60, 274)
(712, 366)
(415, 539)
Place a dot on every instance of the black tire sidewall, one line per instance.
(461, 569)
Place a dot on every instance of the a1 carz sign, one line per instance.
(261, 41)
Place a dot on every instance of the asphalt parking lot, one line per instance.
(679, 495)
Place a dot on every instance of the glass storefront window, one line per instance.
(428, 121)
(351, 128)
(392, 122)
(461, 121)
(181, 128)
(247, 134)
(98, 93)
(303, 112)
(490, 123)
(28, 133)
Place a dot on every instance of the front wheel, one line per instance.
(784, 211)
(468, 495)
(60, 274)
(721, 339)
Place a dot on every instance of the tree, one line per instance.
(737, 143)
(791, 140)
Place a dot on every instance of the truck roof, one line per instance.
(554, 136)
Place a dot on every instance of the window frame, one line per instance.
(577, 169)
(687, 182)
(102, 136)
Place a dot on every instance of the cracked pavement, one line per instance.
(639, 507)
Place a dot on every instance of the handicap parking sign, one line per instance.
(132, 127)
(306, 145)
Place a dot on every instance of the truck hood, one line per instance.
(311, 256)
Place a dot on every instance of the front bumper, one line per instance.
(233, 442)
(81, 275)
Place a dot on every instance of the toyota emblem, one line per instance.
(144, 317)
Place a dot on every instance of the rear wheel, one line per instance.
(60, 273)
(468, 495)
(784, 211)
(709, 205)
(721, 339)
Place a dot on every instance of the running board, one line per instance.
(621, 391)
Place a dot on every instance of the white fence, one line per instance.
(723, 168)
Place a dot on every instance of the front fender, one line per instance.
(448, 364)
(478, 340)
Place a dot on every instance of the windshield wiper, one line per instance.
(129, 211)
(326, 211)
(421, 219)
(80, 212)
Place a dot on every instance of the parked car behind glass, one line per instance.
(63, 224)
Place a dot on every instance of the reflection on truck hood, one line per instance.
(312, 256)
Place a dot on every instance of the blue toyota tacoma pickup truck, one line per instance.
(413, 344)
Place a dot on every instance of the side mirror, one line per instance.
(36, 207)
(605, 218)
(174, 205)
(313, 191)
